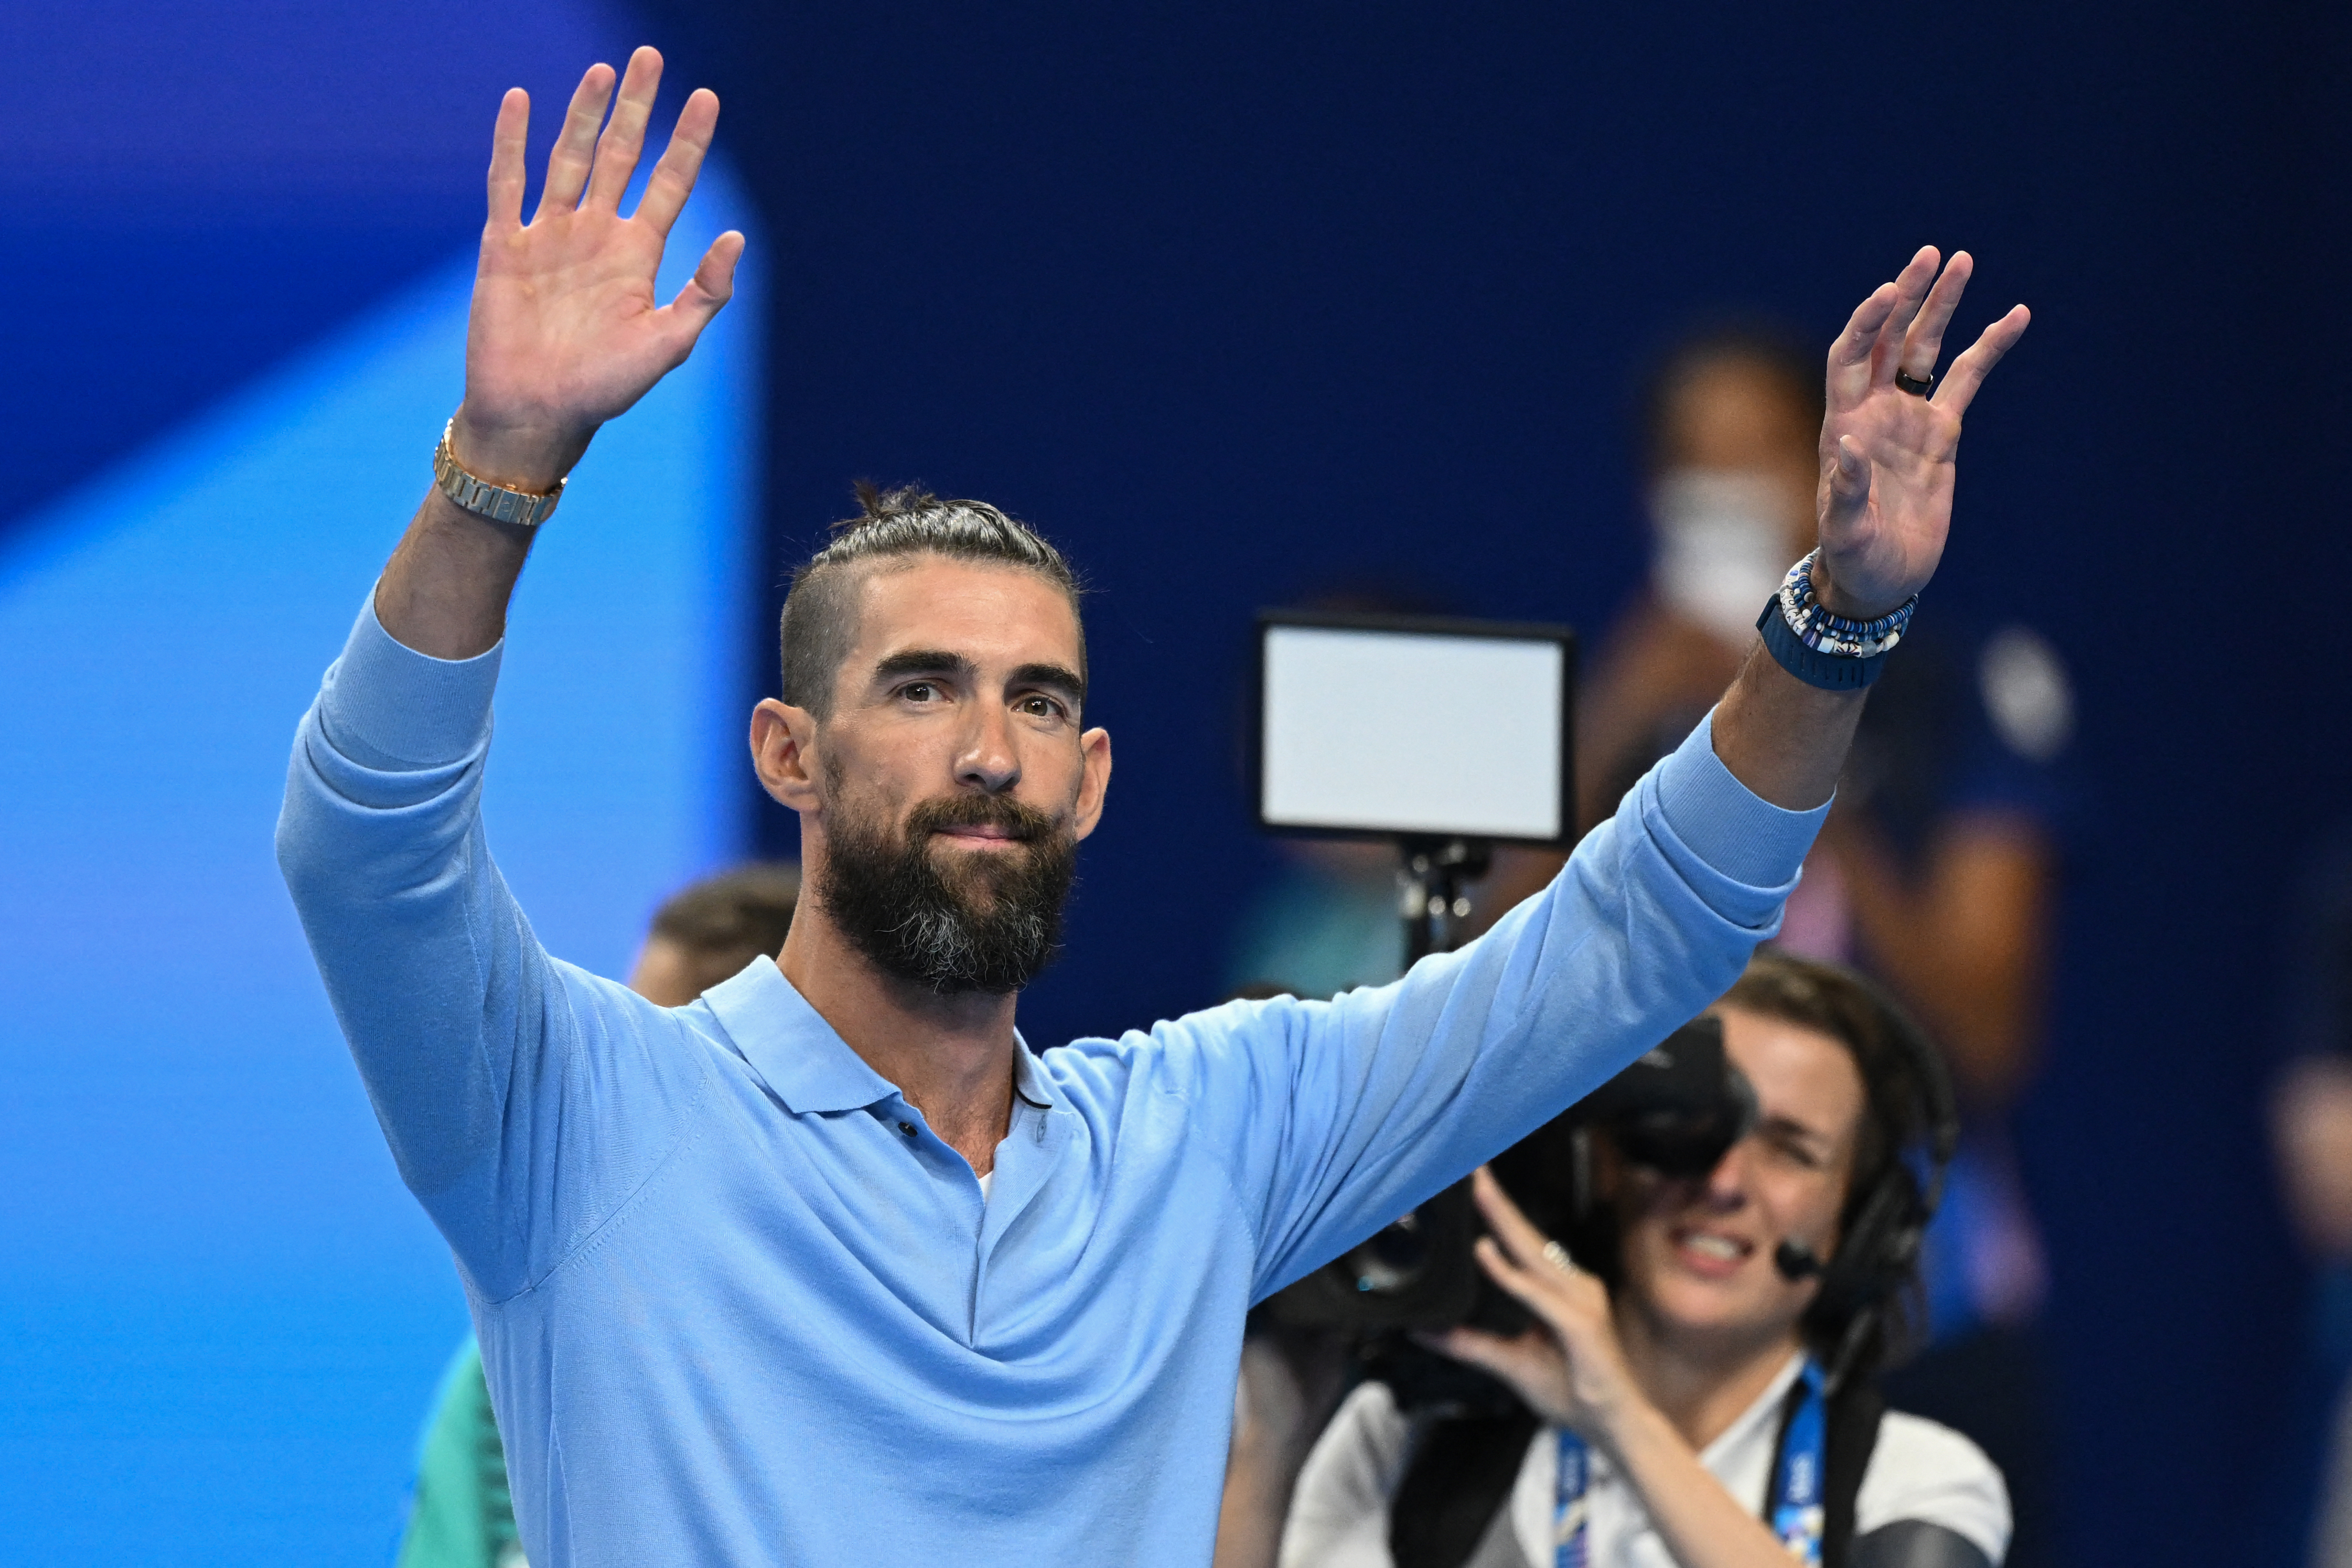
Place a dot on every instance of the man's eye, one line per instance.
(918, 691)
(1041, 707)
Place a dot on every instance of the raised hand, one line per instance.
(1885, 497)
(1569, 1366)
(565, 332)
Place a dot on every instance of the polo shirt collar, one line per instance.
(810, 1066)
(1030, 1084)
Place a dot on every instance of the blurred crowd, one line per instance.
(2312, 1133)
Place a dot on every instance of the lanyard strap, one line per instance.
(1798, 1515)
(1794, 1511)
(1569, 1503)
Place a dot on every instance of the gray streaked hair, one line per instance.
(820, 618)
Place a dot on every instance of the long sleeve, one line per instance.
(523, 1098)
(1335, 1117)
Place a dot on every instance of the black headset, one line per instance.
(1878, 1254)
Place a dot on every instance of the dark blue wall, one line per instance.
(1234, 300)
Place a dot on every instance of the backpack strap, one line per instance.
(1853, 1417)
(1854, 1413)
(1460, 1477)
(1463, 1469)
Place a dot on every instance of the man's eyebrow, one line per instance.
(1055, 677)
(922, 662)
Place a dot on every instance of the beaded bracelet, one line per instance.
(1823, 649)
(1818, 627)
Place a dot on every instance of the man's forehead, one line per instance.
(986, 611)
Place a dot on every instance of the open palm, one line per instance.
(565, 332)
(1887, 455)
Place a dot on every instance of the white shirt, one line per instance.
(1918, 1470)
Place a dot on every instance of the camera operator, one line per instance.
(1699, 1382)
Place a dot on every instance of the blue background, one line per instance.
(1234, 303)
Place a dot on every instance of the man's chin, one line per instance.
(976, 875)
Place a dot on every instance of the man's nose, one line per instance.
(988, 761)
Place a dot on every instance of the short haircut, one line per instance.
(1767, 346)
(820, 618)
(1898, 1108)
(724, 922)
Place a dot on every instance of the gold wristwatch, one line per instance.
(484, 499)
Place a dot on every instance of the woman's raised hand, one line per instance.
(565, 332)
(1569, 1366)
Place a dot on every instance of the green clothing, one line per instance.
(461, 1515)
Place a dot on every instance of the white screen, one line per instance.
(1410, 732)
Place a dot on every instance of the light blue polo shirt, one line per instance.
(738, 1305)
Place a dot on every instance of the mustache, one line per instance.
(1017, 821)
(951, 923)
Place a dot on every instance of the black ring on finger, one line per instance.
(1905, 381)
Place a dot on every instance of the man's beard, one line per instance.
(989, 924)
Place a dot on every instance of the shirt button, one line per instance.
(907, 1128)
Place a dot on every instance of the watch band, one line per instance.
(524, 509)
(1830, 672)
(1824, 649)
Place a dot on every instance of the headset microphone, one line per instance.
(1795, 1261)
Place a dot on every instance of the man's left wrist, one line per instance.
(1833, 598)
(1822, 646)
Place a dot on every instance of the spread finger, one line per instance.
(575, 144)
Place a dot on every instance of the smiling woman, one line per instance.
(1701, 1391)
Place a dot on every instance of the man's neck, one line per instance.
(951, 1056)
(1700, 1384)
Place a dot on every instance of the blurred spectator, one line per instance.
(1292, 1380)
(461, 1515)
(710, 931)
(1937, 871)
(2311, 1121)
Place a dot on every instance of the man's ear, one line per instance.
(783, 753)
(1094, 781)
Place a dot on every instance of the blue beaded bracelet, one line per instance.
(1821, 648)
(1817, 627)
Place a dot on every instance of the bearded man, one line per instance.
(828, 1267)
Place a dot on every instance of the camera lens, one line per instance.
(1391, 1260)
